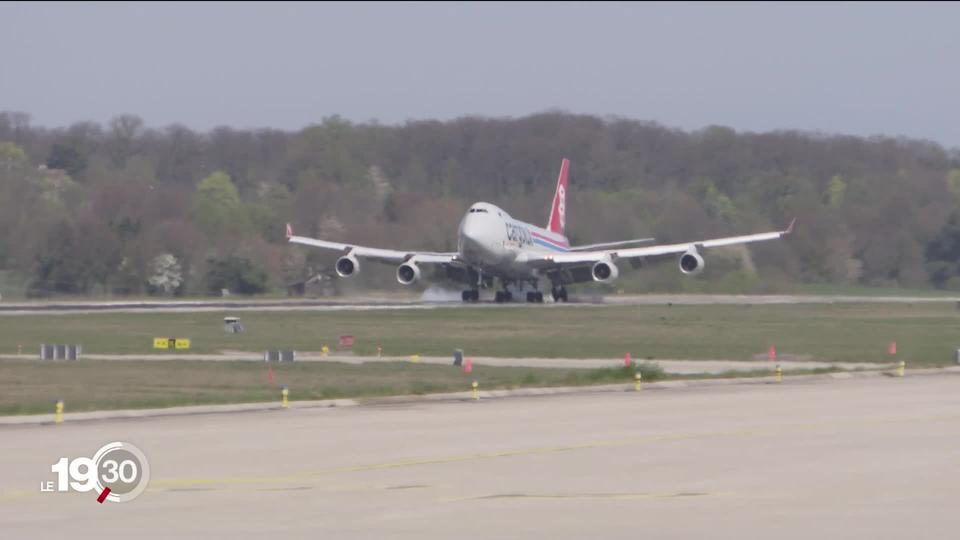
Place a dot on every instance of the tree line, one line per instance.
(126, 209)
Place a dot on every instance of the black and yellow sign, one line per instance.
(171, 343)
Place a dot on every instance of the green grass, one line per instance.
(861, 290)
(926, 334)
(32, 386)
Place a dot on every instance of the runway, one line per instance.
(348, 303)
(856, 458)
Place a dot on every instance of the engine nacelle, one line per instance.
(408, 273)
(691, 263)
(605, 271)
(347, 266)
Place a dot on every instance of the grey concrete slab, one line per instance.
(865, 457)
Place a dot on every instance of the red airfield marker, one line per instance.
(467, 366)
(626, 360)
(270, 374)
(772, 353)
(892, 348)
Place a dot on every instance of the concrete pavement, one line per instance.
(872, 457)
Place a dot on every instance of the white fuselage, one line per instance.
(493, 242)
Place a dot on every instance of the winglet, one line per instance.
(790, 228)
(289, 231)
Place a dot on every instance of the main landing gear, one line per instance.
(559, 294)
(473, 295)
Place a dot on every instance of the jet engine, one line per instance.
(408, 273)
(605, 271)
(691, 263)
(347, 266)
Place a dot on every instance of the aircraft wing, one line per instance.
(591, 247)
(589, 257)
(377, 254)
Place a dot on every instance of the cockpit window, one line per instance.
(484, 210)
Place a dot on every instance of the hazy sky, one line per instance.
(856, 68)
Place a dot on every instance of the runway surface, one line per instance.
(857, 458)
(372, 303)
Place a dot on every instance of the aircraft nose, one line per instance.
(470, 228)
(471, 233)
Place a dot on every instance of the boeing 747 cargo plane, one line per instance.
(492, 245)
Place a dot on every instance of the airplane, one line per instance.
(492, 245)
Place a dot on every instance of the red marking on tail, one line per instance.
(103, 495)
(289, 231)
(558, 211)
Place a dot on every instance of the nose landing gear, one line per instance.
(559, 294)
(535, 297)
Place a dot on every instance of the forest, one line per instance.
(127, 209)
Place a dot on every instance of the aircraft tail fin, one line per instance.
(558, 211)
